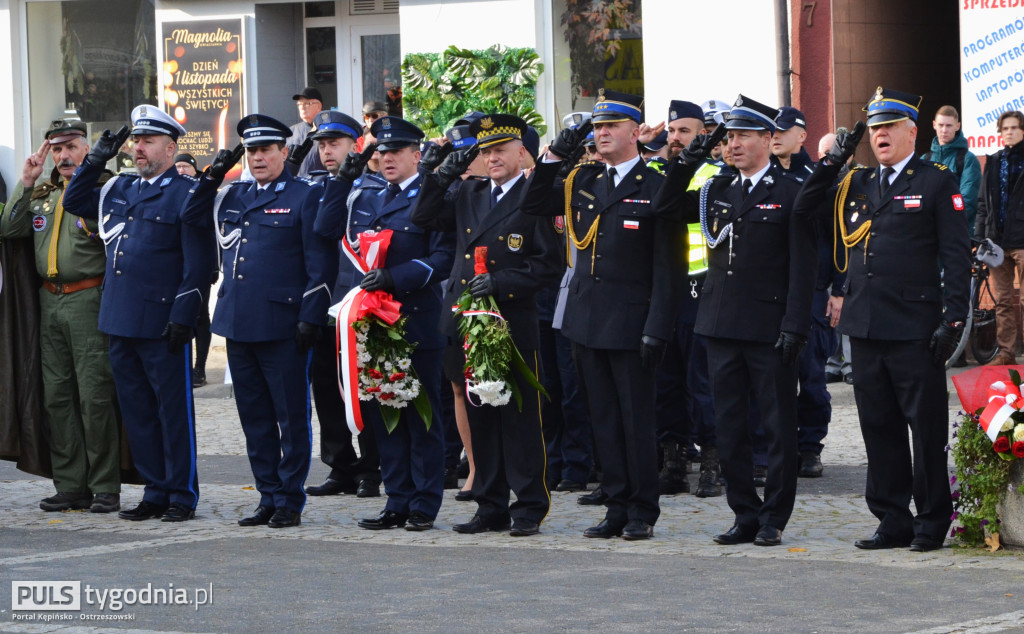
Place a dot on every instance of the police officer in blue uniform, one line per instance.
(761, 263)
(412, 455)
(523, 257)
(270, 308)
(158, 266)
(899, 223)
(335, 136)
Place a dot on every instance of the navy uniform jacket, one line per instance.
(893, 288)
(416, 259)
(765, 286)
(627, 283)
(158, 262)
(277, 271)
(523, 253)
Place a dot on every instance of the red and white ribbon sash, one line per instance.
(1003, 400)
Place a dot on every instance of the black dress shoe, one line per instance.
(419, 521)
(848, 379)
(260, 518)
(597, 497)
(178, 513)
(571, 485)
(736, 535)
(283, 518)
(331, 487)
(880, 541)
(451, 478)
(636, 530)
(922, 544)
(605, 530)
(144, 511)
(523, 527)
(768, 536)
(483, 524)
(386, 519)
(198, 377)
(810, 465)
(464, 496)
(368, 489)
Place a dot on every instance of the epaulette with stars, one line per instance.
(246, 182)
(943, 167)
(369, 181)
(303, 179)
(190, 179)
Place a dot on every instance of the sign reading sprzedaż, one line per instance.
(201, 83)
(991, 68)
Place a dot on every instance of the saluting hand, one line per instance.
(352, 168)
(845, 145)
(456, 163)
(224, 161)
(434, 155)
(701, 146)
(107, 146)
(34, 166)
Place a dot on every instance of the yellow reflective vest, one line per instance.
(698, 252)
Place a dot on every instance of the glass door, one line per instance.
(376, 68)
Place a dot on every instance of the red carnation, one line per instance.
(1001, 445)
(387, 396)
(372, 390)
(397, 376)
(375, 374)
(1018, 449)
(480, 260)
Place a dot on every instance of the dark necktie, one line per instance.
(883, 182)
(611, 180)
(393, 191)
(747, 186)
(143, 186)
(495, 192)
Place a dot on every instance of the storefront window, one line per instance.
(598, 44)
(101, 54)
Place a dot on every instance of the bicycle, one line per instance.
(980, 325)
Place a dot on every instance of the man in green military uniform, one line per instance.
(78, 389)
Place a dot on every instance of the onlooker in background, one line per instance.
(309, 103)
(186, 165)
(372, 110)
(949, 147)
(1001, 200)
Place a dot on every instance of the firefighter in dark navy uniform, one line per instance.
(755, 312)
(270, 307)
(522, 258)
(899, 224)
(622, 301)
(412, 455)
(158, 266)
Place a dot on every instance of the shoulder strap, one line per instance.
(961, 153)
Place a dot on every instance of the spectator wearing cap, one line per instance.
(814, 407)
(714, 115)
(78, 388)
(158, 267)
(899, 224)
(270, 309)
(186, 165)
(412, 454)
(760, 262)
(372, 110)
(1002, 194)
(335, 136)
(684, 408)
(523, 257)
(309, 103)
(621, 305)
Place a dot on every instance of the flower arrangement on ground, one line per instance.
(988, 440)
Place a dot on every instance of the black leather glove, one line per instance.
(482, 285)
(107, 146)
(943, 342)
(296, 156)
(306, 335)
(569, 139)
(377, 280)
(790, 345)
(652, 351)
(700, 147)
(845, 145)
(570, 163)
(434, 155)
(223, 162)
(354, 164)
(176, 336)
(456, 163)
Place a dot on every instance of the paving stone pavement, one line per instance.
(830, 514)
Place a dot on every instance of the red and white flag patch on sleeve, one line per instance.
(958, 202)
